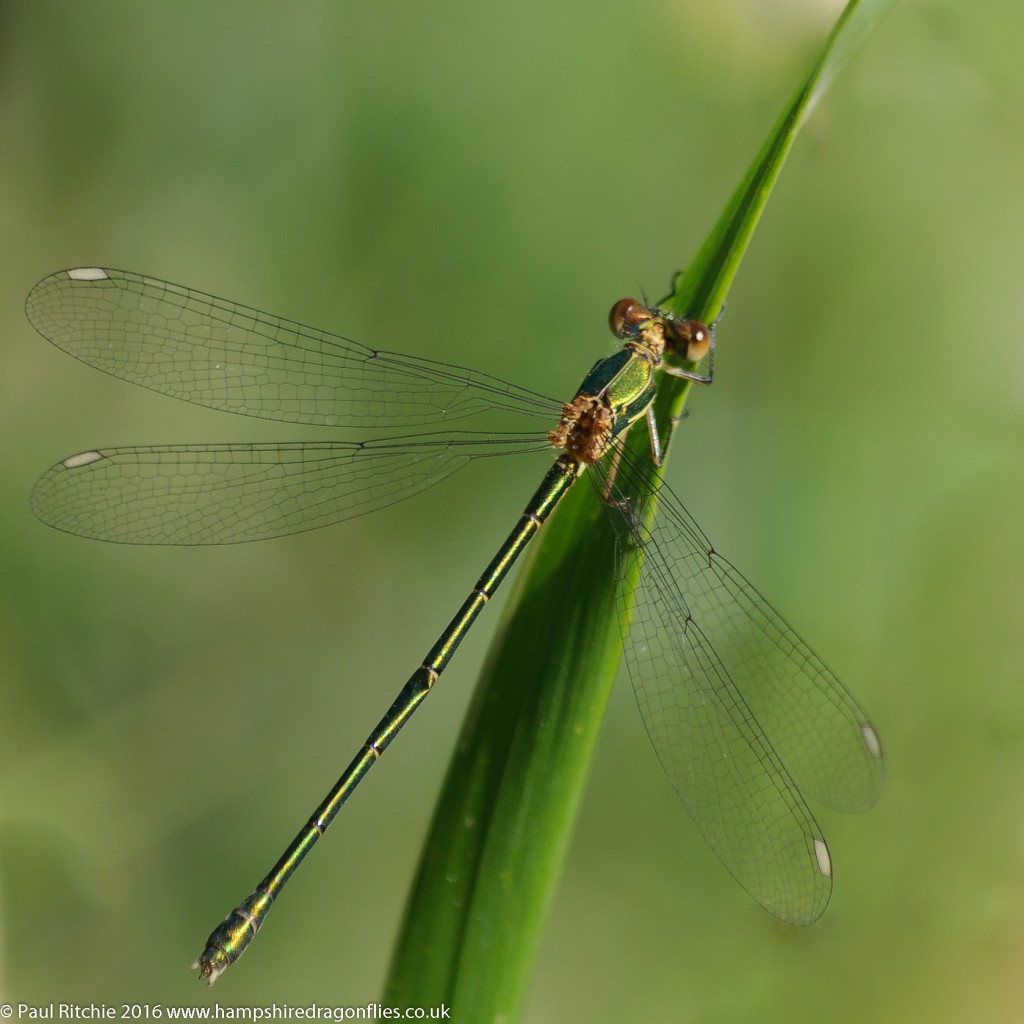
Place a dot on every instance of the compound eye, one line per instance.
(626, 317)
(689, 339)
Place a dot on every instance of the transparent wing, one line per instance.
(745, 717)
(218, 354)
(229, 493)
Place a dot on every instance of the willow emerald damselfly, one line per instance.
(746, 719)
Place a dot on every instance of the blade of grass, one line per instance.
(502, 824)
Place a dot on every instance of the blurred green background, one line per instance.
(479, 183)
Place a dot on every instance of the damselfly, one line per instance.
(746, 719)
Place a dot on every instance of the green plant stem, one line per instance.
(499, 834)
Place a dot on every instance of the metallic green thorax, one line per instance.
(616, 393)
(628, 381)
